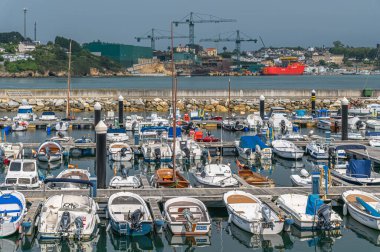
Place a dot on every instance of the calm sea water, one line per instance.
(352, 237)
(202, 82)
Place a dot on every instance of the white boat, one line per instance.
(20, 126)
(287, 149)
(117, 135)
(70, 216)
(363, 207)
(280, 122)
(359, 111)
(49, 152)
(254, 121)
(374, 142)
(48, 116)
(125, 181)
(158, 121)
(373, 124)
(156, 151)
(120, 151)
(25, 113)
(75, 174)
(309, 212)
(250, 214)
(22, 173)
(302, 180)
(187, 216)
(132, 122)
(216, 175)
(293, 136)
(355, 123)
(129, 214)
(12, 150)
(350, 136)
(253, 148)
(187, 149)
(62, 126)
(12, 211)
(317, 150)
(324, 124)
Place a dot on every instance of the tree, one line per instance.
(224, 49)
(65, 43)
(322, 63)
(11, 37)
(338, 44)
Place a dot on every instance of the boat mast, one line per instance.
(174, 102)
(229, 99)
(68, 84)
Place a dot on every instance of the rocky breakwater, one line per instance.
(237, 105)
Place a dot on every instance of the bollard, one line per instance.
(97, 116)
(315, 176)
(262, 104)
(121, 108)
(101, 153)
(313, 103)
(344, 118)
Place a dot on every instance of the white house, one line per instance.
(26, 47)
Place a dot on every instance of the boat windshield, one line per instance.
(25, 111)
(15, 166)
(29, 167)
(24, 181)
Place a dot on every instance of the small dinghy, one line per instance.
(215, 175)
(117, 135)
(302, 180)
(73, 174)
(166, 177)
(129, 214)
(125, 181)
(309, 212)
(20, 126)
(120, 151)
(250, 214)
(62, 126)
(49, 152)
(253, 178)
(70, 216)
(12, 211)
(363, 207)
(187, 216)
(287, 149)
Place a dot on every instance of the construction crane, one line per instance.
(238, 39)
(196, 18)
(151, 35)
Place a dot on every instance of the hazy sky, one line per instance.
(278, 22)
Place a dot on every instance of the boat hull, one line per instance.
(179, 228)
(124, 228)
(291, 69)
(288, 155)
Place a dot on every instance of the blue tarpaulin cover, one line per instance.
(301, 112)
(178, 132)
(372, 133)
(250, 142)
(313, 204)
(154, 128)
(119, 130)
(359, 168)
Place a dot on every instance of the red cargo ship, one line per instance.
(290, 66)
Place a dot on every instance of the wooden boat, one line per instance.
(12, 211)
(253, 178)
(76, 174)
(363, 207)
(165, 177)
(187, 216)
(129, 214)
(250, 214)
(49, 152)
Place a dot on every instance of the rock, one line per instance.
(59, 102)
(13, 104)
(220, 108)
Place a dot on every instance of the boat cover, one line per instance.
(178, 132)
(313, 204)
(250, 142)
(349, 147)
(359, 168)
(300, 112)
(118, 130)
(368, 208)
(372, 134)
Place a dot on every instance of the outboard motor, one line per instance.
(65, 222)
(157, 154)
(124, 172)
(123, 152)
(135, 219)
(188, 217)
(134, 124)
(324, 217)
(60, 134)
(283, 127)
(184, 148)
(204, 157)
(360, 125)
(266, 215)
(79, 226)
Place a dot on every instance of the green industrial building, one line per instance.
(126, 55)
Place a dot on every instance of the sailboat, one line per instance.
(228, 124)
(170, 177)
(69, 117)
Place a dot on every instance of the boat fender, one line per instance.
(344, 209)
(289, 221)
(304, 173)
(229, 219)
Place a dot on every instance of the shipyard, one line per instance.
(219, 127)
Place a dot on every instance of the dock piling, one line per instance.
(121, 108)
(313, 98)
(344, 118)
(101, 152)
(262, 104)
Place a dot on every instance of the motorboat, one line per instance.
(61, 138)
(350, 136)
(129, 214)
(62, 126)
(70, 216)
(22, 173)
(232, 125)
(301, 115)
(373, 124)
(317, 150)
(72, 174)
(117, 135)
(304, 179)
(287, 149)
(293, 136)
(364, 207)
(20, 125)
(187, 216)
(12, 212)
(49, 152)
(374, 142)
(119, 151)
(48, 116)
(323, 114)
(199, 137)
(253, 178)
(132, 122)
(357, 172)
(12, 150)
(25, 113)
(309, 212)
(254, 121)
(355, 123)
(167, 177)
(324, 125)
(250, 214)
(253, 148)
(158, 121)
(156, 151)
(359, 111)
(280, 123)
(216, 175)
(125, 181)
(188, 149)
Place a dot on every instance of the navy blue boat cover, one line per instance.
(313, 204)
(250, 142)
(359, 168)
(178, 132)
